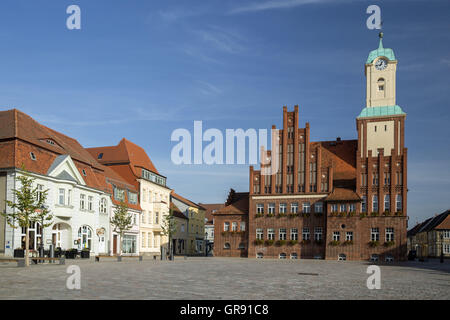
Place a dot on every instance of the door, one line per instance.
(101, 244)
(115, 244)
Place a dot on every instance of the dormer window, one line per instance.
(32, 156)
(100, 156)
(84, 172)
(50, 142)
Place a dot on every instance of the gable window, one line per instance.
(334, 207)
(294, 234)
(259, 234)
(282, 234)
(294, 207)
(271, 234)
(62, 197)
(305, 234)
(343, 207)
(234, 226)
(318, 207)
(306, 207)
(119, 194)
(351, 207)
(318, 231)
(375, 234)
(82, 202)
(226, 226)
(389, 234)
(336, 236)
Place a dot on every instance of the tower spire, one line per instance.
(381, 40)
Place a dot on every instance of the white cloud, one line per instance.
(274, 4)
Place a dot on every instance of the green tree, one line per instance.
(121, 221)
(169, 227)
(28, 206)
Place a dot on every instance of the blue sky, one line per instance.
(141, 69)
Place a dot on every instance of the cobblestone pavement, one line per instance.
(226, 278)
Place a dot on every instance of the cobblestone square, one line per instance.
(226, 278)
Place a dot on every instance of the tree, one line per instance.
(169, 227)
(27, 207)
(122, 221)
(45, 219)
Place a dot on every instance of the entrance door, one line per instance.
(101, 244)
(115, 244)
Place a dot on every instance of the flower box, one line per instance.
(281, 215)
(363, 215)
(389, 243)
(281, 243)
(386, 213)
(259, 242)
(270, 215)
(293, 242)
(351, 213)
(335, 243)
(259, 215)
(374, 214)
(269, 242)
(348, 242)
(306, 241)
(374, 244)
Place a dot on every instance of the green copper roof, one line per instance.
(381, 111)
(381, 52)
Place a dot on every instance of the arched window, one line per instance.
(342, 257)
(260, 255)
(227, 246)
(375, 203)
(282, 255)
(374, 258)
(389, 258)
(381, 84)
(85, 237)
(294, 256)
(387, 201)
(241, 245)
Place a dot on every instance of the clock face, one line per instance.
(381, 64)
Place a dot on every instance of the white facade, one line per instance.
(154, 201)
(80, 213)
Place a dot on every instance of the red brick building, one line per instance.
(342, 199)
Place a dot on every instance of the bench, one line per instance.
(36, 260)
(119, 258)
(20, 262)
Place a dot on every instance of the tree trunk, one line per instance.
(121, 244)
(27, 246)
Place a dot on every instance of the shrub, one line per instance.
(269, 242)
(399, 213)
(305, 214)
(259, 242)
(386, 213)
(342, 214)
(293, 242)
(363, 214)
(281, 215)
(270, 215)
(259, 215)
(374, 244)
(389, 243)
(348, 242)
(281, 243)
(335, 243)
(374, 214)
(351, 213)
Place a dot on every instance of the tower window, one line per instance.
(375, 128)
(380, 88)
(380, 83)
(385, 128)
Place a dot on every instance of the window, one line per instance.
(387, 201)
(294, 234)
(132, 197)
(389, 234)
(271, 208)
(260, 255)
(84, 172)
(282, 234)
(294, 256)
(234, 226)
(227, 246)
(283, 255)
(387, 179)
(389, 258)
(260, 208)
(446, 248)
(305, 234)
(334, 207)
(375, 203)
(282, 207)
(103, 205)
(259, 234)
(349, 236)
(318, 231)
(375, 179)
(374, 258)
(446, 234)
(351, 207)
(241, 246)
(62, 197)
(156, 217)
(226, 226)
(306, 207)
(90, 203)
(119, 194)
(342, 257)
(336, 236)
(32, 156)
(380, 83)
(82, 202)
(375, 234)
(318, 207)
(100, 156)
(398, 202)
(294, 207)
(271, 234)
(242, 226)
(85, 237)
(343, 207)
(143, 240)
(182, 227)
(364, 204)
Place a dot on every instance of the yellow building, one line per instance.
(195, 242)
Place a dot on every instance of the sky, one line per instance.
(142, 69)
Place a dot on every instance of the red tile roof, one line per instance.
(186, 201)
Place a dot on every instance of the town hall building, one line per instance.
(337, 200)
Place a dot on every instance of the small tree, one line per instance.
(169, 227)
(28, 207)
(121, 221)
(45, 219)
